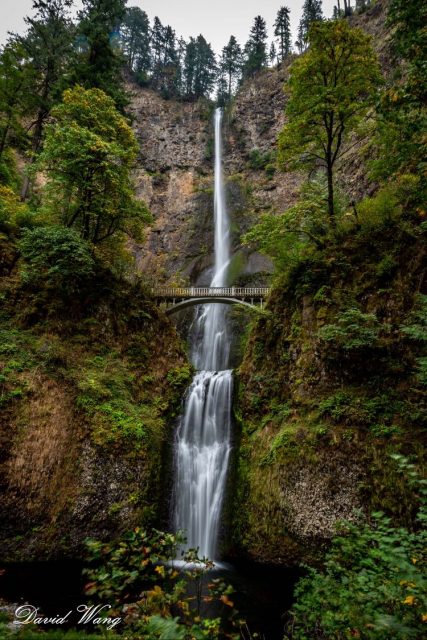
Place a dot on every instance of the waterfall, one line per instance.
(203, 442)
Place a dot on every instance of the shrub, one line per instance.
(258, 160)
(137, 575)
(374, 584)
(353, 330)
(56, 256)
(13, 213)
(416, 330)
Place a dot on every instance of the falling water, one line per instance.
(202, 448)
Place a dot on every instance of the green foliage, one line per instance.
(282, 31)
(332, 88)
(16, 80)
(401, 136)
(258, 161)
(416, 330)
(99, 60)
(14, 214)
(135, 39)
(417, 327)
(88, 155)
(56, 257)
(138, 570)
(353, 330)
(256, 48)
(374, 583)
(118, 412)
(16, 356)
(199, 68)
(293, 235)
(177, 378)
(311, 12)
(355, 408)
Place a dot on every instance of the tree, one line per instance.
(332, 88)
(157, 46)
(135, 38)
(88, 155)
(282, 30)
(199, 68)
(16, 83)
(48, 47)
(56, 256)
(256, 48)
(311, 12)
(231, 65)
(403, 106)
(100, 61)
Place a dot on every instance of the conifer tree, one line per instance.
(17, 80)
(231, 65)
(199, 68)
(282, 30)
(311, 12)
(157, 46)
(100, 61)
(48, 46)
(135, 39)
(256, 48)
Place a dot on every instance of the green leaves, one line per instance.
(332, 88)
(56, 256)
(374, 583)
(353, 330)
(88, 155)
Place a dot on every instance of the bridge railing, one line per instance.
(211, 292)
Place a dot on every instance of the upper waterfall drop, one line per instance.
(203, 442)
(211, 326)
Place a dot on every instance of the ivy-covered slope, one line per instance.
(88, 390)
(331, 384)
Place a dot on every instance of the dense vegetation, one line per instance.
(334, 371)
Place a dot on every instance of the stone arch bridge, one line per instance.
(174, 299)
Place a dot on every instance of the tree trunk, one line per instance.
(331, 209)
(38, 132)
(4, 136)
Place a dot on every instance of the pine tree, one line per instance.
(170, 64)
(135, 39)
(282, 30)
(17, 81)
(199, 68)
(231, 65)
(157, 46)
(311, 12)
(48, 47)
(256, 48)
(100, 61)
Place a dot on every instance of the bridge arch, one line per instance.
(192, 302)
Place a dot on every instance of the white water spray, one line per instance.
(203, 446)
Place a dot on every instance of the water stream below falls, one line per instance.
(203, 441)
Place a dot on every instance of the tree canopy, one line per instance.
(87, 157)
(332, 88)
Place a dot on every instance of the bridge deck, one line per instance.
(240, 293)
